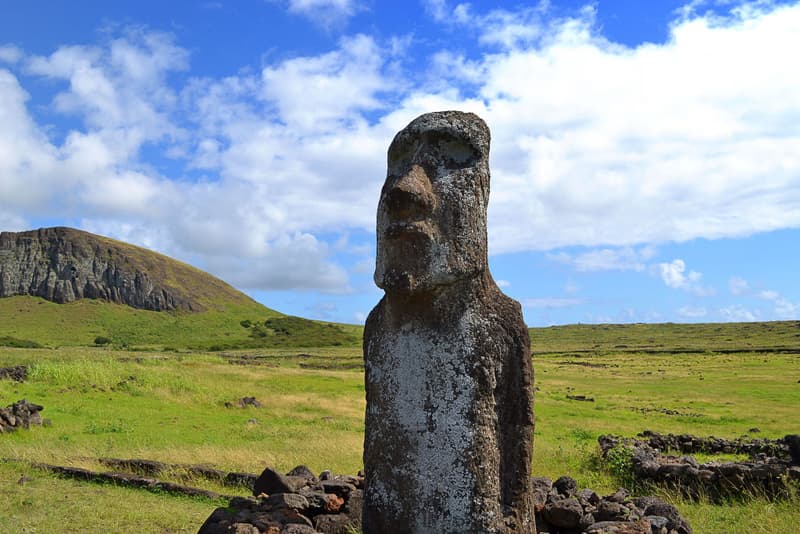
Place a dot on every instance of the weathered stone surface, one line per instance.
(338, 487)
(288, 500)
(673, 516)
(564, 513)
(566, 486)
(540, 489)
(793, 442)
(302, 471)
(17, 373)
(270, 481)
(294, 528)
(21, 414)
(620, 527)
(449, 420)
(333, 524)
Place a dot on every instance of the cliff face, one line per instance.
(63, 265)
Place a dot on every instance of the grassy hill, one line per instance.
(673, 338)
(226, 326)
(209, 313)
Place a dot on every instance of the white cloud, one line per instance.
(786, 309)
(691, 312)
(617, 259)
(768, 294)
(737, 313)
(503, 283)
(298, 262)
(738, 285)
(325, 92)
(509, 29)
(675, 275)
(551, 302)
(10, 54)
(327, 13)
(594, 144)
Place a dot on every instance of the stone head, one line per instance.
(431, 222)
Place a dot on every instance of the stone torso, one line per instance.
(434, 381)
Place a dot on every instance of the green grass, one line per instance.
(79, 323)
(170, 406)
(8, 341)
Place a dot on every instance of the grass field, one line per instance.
(79, 323)
(171, 406)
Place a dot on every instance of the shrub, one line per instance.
(102, 340)
(619, 461)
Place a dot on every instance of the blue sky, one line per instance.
(645, 155)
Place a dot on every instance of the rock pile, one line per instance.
(21, 414)
(772, 463)
(296, 503)
(561, 508)
(17, 373)
(301, 503)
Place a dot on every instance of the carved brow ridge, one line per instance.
(431, 137)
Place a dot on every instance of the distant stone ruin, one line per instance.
(449, 382)
(772, 470)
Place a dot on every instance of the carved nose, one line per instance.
(411, 195)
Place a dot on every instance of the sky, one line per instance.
(645, 155)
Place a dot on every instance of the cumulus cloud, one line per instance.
(691, 312)
(10, 53)
(595, 144)
(298, 262)
(327, 13)
(323, 92)
(738, 313)
(738, 285)
(783, 307)
(608, 259)
(675, 275)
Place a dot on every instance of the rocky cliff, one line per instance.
(64, 264)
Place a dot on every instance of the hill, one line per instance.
(61, 286)
(64, 265)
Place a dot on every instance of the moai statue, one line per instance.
(449, 421)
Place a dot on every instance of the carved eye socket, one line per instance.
(456, 154)
(401, 153)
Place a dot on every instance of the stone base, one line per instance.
(301, 503)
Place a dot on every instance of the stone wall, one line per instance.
(772, 470)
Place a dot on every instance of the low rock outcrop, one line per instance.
(21, 414)
(772, 464)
